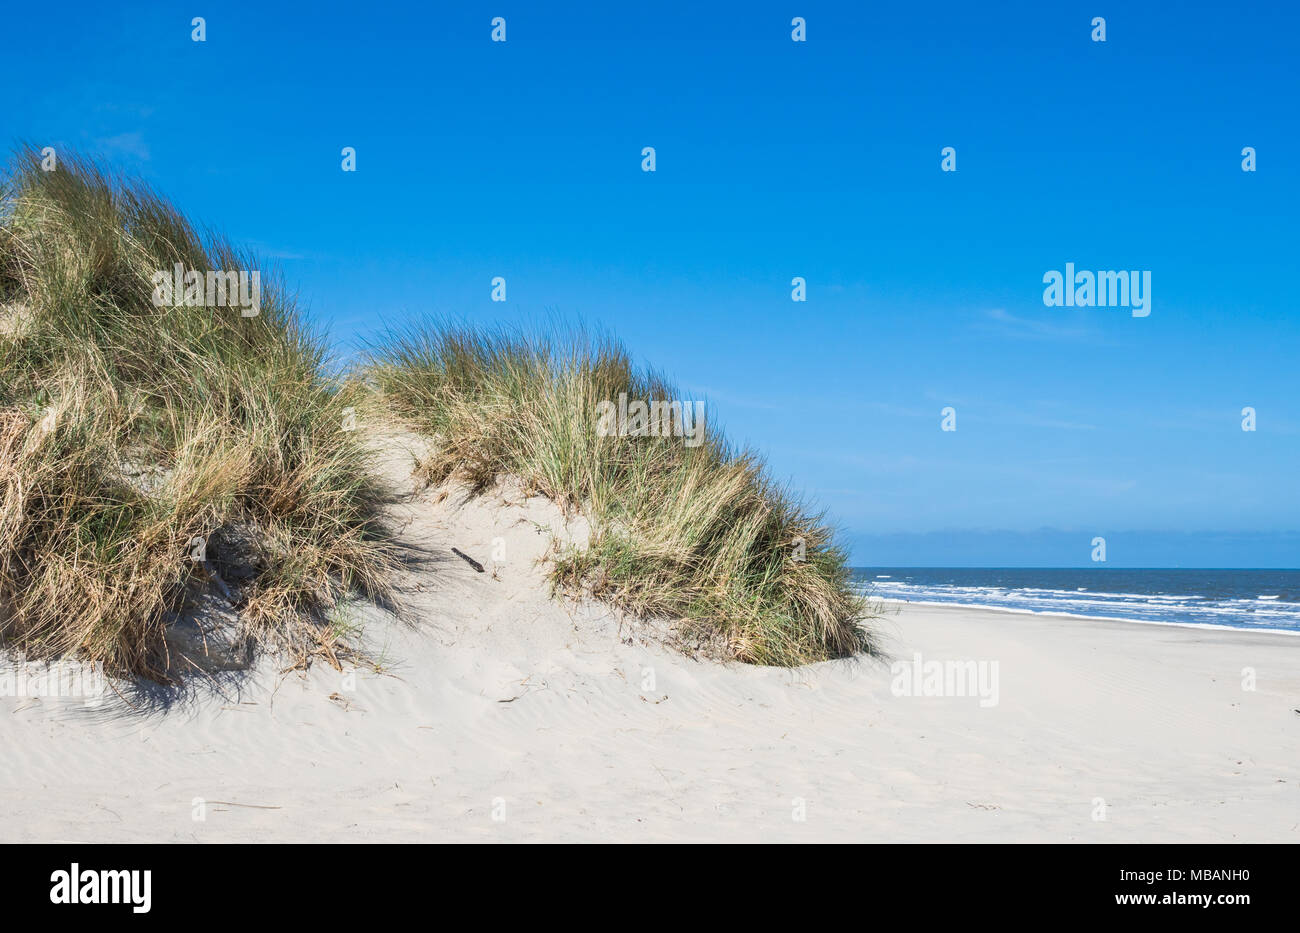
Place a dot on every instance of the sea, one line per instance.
(1242, 599)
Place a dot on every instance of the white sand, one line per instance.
(1152, 719)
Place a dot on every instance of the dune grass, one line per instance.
(696, 534)
(128, 430)
(131, 430)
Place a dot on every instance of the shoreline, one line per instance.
(1073, 615)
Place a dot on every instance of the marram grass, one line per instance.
(691, 532)
(129, 430)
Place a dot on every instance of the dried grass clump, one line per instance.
(697, 534)
(129, 430)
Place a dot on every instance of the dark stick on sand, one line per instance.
(467, 559)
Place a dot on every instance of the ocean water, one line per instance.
(1250, 599)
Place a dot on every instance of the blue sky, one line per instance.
(778, 159)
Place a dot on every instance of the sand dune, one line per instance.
(502, 714)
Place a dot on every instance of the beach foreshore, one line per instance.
(504, 716)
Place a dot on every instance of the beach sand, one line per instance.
(505, 715)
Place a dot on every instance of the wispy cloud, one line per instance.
(722, 397)
(275, 252)
(1000, 321)
(123, 144)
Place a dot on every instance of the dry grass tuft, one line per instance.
(692, 533)
(128, 430)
